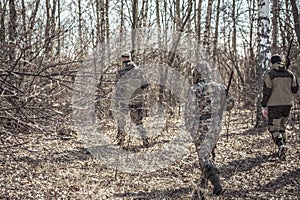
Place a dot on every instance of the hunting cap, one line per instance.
(275, 58)
(125, 55)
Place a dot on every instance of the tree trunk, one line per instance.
(206, 38)
(59, 28)
(134, 25)
(12, 29)
(178, 15)
(32, 23)
(107, 22)
(263, 52)
(198, 27)
(250, 71)
(80, 36)
(144, 13)
(296, 19)
(275, 11)
(2, 25)
(122, 26)
(233, 15)
(215, 46)
(24, 27)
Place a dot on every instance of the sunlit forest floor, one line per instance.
(59, 167)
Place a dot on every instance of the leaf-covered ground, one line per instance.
(59, 167)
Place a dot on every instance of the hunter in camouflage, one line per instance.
(279, 86)
(130, 98)
(208, 101)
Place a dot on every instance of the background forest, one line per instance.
(43, 44)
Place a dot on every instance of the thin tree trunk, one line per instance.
(233, 15)
(263, 51)
(144, 13)
(199, 12)
(25, 35)
(178, 15)
(80, 36)
(2, 24)
(275, 11)
(215, 46)
(59, 28)
(296, 19)
(107, 22)
(206, 38)
(32, 22)
(134, 25)
(47, 27)
(12, 29)
(251, 70)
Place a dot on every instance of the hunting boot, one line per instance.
(215, 181)
(282, 152)
(146, 143)
(120, 137)
(282, 149)
(143, 134)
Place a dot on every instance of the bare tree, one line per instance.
(12, 29)
(263, 51)
(234, 21)
(2, 27)
(198, 27)
(275, 12)
(206, 37)
(216, 35)
(80, 34)
(134, 25)
(50, 26)
(31, 24)
(296, 19)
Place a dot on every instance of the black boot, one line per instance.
(215, 181)
(120, 137)
(146, 143)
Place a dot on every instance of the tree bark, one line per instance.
(263, 52)
(206, 38)
(296, 19)
(12, 29)
(2, 24)
(80, 36)
(134, 25)
(198, 27)
(233, 15)
(275, 11)
(215, 46)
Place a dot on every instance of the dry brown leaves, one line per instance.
(52, 167)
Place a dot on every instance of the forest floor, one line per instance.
(54, 167)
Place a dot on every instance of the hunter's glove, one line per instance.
(264, 112)
(145, 86)
(229, 103)
(287, 63)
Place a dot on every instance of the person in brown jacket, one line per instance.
(279, 86)
(130, 98)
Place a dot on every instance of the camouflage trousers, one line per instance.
(205, 142)
(276, 123)
(136, 114)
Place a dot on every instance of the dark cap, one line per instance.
(125, 55)
(275, 59)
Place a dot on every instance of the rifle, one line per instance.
(288, 62)
(227, 92)
(229, 83)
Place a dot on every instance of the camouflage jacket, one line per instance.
(130, 85)
(206, 103)
(279, 86)
(210, 98)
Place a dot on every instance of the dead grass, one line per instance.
(52, 167)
